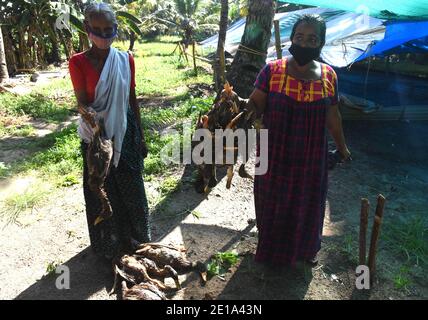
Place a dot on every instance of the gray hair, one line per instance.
(96, 8)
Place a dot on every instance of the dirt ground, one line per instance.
(389, 158)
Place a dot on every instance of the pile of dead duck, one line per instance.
(142, 275)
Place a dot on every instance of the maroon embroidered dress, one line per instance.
(290, 198)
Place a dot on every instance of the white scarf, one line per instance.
(111, 101)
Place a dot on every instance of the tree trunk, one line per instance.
(22, 50)
(220, 68)
(131, 41)
(32, 49)
(11, 51)
(64, 44)
(4, 75)
(251, 57)
(53, 35)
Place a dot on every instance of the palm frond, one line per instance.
(135, 28)
(128, 16)
(77, 23)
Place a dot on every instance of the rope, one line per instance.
(250, 51)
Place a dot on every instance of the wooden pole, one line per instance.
(183, 51)
(221, 78)
(375, 236)
(203, 59)
(176, 47)
(277, 39)
(363, 229)
(194, 58)
(220, 69)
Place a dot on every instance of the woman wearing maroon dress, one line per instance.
(299, 100)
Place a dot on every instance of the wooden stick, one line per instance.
(363, 229)
(277, 39)
(183, 50)
(375, 236)
(194, 58)
(176, 47)
(202, 59)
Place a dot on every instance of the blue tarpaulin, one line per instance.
(400, 36)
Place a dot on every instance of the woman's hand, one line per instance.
(88, 116)
(345, 154)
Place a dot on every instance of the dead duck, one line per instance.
(173, 256)
(154, 271)
(142, 291)
(137, 269)
(135, 272)
(229, 112)
(99, 156)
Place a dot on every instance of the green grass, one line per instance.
(14, 205)
(58, 159)
(16, 131)
(170, 185)
(161, 73)
(402, 278)
(407, 240)
(51, 267)
(35, 105)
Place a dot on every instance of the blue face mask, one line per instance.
(104, 35)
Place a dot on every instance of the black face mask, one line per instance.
(304, 55)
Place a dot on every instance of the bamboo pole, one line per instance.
(375, 236)
(194, 58)
(277, 39)
(363, 229)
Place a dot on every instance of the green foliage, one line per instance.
(15, 204)
(221, 263)
(170, 185)
(51, 267)
(402, 278)
(408, 239)
(69, 180)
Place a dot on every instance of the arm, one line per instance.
(78, 80)
(82, 107)
(258, 100)
(334, 126)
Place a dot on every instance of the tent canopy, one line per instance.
(385, 9)
(350, 36)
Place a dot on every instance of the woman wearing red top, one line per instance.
(124, 184)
